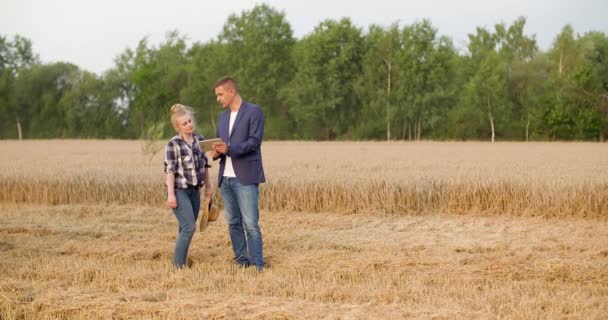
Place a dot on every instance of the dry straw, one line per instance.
(114, 262)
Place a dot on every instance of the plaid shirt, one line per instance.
(187, 162)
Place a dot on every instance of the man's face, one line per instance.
(224, 95)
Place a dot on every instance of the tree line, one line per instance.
(337, 82)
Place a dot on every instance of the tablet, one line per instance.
(206, 145)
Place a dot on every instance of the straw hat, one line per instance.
(210, 213)
(214, 211)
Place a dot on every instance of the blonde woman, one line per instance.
(186, 171)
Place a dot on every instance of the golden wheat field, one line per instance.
(352, 230)
(535, 179)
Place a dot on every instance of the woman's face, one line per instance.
(185, 124)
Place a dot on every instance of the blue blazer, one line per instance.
(243, 144)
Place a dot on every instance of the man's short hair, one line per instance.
(229, 81)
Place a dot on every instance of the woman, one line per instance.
(186, 170)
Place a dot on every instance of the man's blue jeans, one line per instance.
(241, 211)
(188, 205)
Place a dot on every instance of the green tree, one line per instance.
(38, 91)
(15, 56)
(486, 90)
(259, 55)
(424, 87)
(565, 52)
(119, 85)
(524, 75)
(208, 65)
(375, 85)
(324, 105)
(590, 84)
(89, 107)
(559, 114)
(530, 91)
(158, 75)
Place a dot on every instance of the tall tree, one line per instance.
(15, 56)
(590, 83)
(376, 84)
(425, 66)
(559, 115)
(38, 91)
(321, 93)
(487, 88)
(259, 55)
(523, 74)
(158, 75)
(565, 50)
(119, 84)
(529, 90)
(89, 107)
(208, 65)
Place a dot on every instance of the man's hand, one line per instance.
(220, 147)
(171, 201)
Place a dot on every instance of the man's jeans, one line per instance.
(241, 210)
(188, 205)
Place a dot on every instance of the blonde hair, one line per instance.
(180, 110)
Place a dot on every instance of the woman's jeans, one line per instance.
(188, 205)
(241, 210)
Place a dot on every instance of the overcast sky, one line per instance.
(91, 34)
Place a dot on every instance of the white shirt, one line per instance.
(229, 170)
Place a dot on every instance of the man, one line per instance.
(241, 128)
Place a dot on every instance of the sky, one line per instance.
(91, 34)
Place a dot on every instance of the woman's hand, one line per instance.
(171, 201)
(208, 193)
